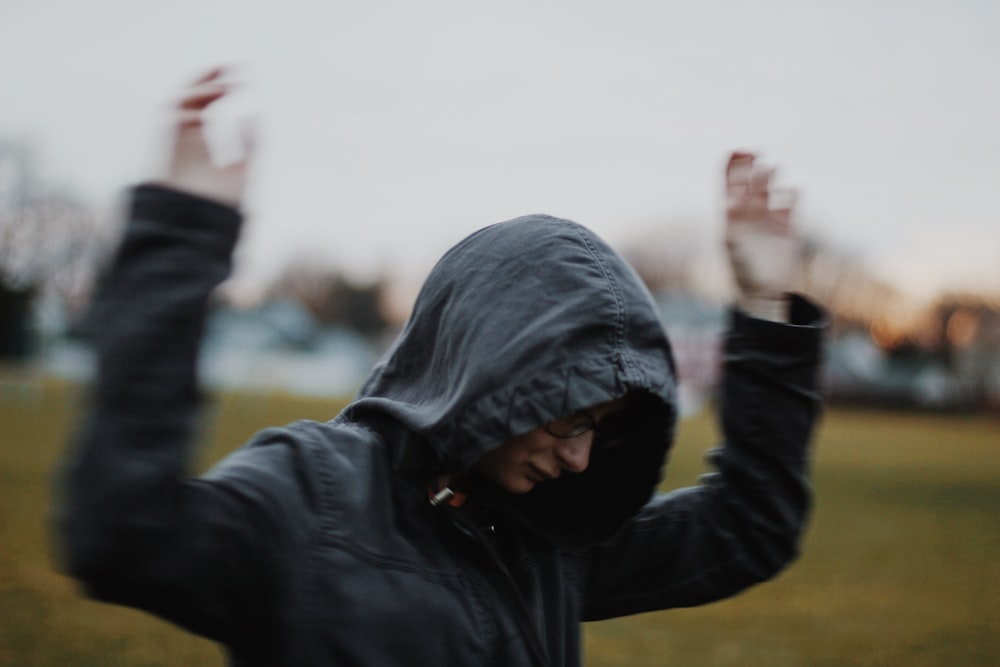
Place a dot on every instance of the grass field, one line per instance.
(900, 565)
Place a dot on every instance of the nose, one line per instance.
(573, 454)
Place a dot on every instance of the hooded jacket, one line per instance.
(315, 543)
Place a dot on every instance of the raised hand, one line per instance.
(764, 251)
(191, 168)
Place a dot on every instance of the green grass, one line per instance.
(900, 566)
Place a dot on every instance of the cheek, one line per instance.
(490, 464)
(513, 456)
(535, 442)
(500, 461)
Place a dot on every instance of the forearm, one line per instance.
(121, 487)
(769, 408)
(768, 308)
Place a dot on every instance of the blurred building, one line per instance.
(280, 346)
(695, 327)
(970, 342)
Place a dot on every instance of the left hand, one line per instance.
(764, 251)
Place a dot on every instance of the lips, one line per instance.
(537, 475)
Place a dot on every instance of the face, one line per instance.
(539, 456)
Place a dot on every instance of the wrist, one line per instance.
(770, 307)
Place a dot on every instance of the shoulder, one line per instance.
(305, 458)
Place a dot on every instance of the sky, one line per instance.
(389, 130)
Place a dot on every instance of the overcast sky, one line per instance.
(389, 130)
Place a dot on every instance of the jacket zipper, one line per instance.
(508, 587)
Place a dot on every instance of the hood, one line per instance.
(520, 323)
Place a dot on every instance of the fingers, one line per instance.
(738, 171)
(759, 185)
(751, 195)
(208, 88)
(783, 202)
(188, 118)
(200, 96)
(210, 75)
(189, 145)
(784, 197)
(189, 113)
(191, 165)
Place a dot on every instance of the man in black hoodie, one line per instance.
(493, 483)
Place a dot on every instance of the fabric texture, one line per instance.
(315, 543)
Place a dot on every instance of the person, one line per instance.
(493, 483)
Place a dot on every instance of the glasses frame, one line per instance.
(573, 426)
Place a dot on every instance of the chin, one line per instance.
(519, 487)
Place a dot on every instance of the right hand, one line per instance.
(191, 168)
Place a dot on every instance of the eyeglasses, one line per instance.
(573, 426)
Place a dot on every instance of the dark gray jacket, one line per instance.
(315, 544)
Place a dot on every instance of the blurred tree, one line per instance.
(49, 244)
(968, 338)
(667, 258)
(334, 299)
(854, 295)
(16, 340)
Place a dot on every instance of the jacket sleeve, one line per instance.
(743, 523)
(133, 527)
